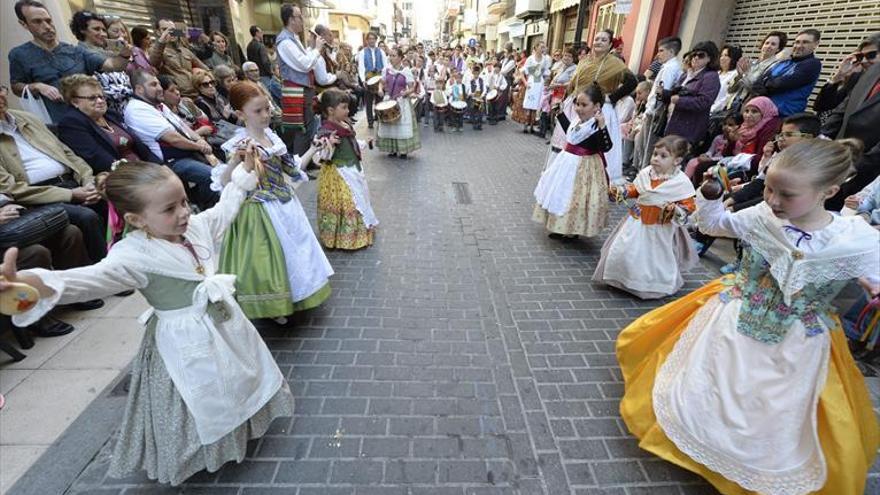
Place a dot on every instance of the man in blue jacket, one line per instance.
(789, 82)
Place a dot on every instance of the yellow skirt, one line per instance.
(340, 224)
(848, 430)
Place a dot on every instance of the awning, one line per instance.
(557, 5)
(511, 23)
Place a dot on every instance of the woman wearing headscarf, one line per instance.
(602, 67)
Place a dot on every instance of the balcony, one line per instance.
(497, 8)
(528, 8)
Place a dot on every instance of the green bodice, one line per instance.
(764, 315)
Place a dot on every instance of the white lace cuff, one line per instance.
(45, 304)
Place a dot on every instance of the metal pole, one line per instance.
(579, 28)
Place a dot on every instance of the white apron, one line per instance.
(644, 258)
(556, 184)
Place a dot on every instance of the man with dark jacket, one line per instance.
(858, 117)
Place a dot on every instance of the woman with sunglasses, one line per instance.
(692, 96)
(846, 76)
(98, 136)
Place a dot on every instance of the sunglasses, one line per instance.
(700, 55)
(867, 55)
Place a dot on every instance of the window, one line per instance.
(607, 19)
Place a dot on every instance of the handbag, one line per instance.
(33, 226)
(35, 106)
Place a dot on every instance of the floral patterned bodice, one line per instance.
(764, 315)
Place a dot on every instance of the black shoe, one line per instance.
(526, 131)
(569, 238)
(392, 154)
(125, 293)
(403, 156)
(50, 327)
(311, 176)
(369, 126)
(554, 235)
(86, 305)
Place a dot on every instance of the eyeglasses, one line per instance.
(208, 83)
(92, 98)
(793, 134)
(700, 55)
(866, 55)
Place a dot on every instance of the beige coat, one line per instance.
(14, 180)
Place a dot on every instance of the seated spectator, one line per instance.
(727, 62)
(759, 124)
(847, 75)
(795, 128)
(40, 64)
(170, 56)
(186, 109)
(749, 72)
(98, 137)
(141, 42)
(858, 116)
(210, 101)
(723, 145)
(117, 30)
(252, 73)
(789, 82)
(60, 251)
(170, 138)
(219, 51)
(693, 93)
(226, 78)
(36, 169)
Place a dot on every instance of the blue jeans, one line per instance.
(196, 177)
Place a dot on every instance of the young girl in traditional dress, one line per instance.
(748, 381)
(203, 382)
(648, 250)
(399, 138)
(572, 194)
(279, 265)
(345, 215)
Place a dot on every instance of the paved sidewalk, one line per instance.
(464, 353)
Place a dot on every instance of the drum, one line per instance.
(458, 106)
(373, 84)
(441, 107)
(388, 111)
(491, 95)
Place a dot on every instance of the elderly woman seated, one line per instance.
(98, 136)
(213, 101)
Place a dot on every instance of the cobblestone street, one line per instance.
(464, 353)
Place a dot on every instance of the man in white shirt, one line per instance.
(667, 53)
(297, 63)
(170, 138)
(371, 60)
